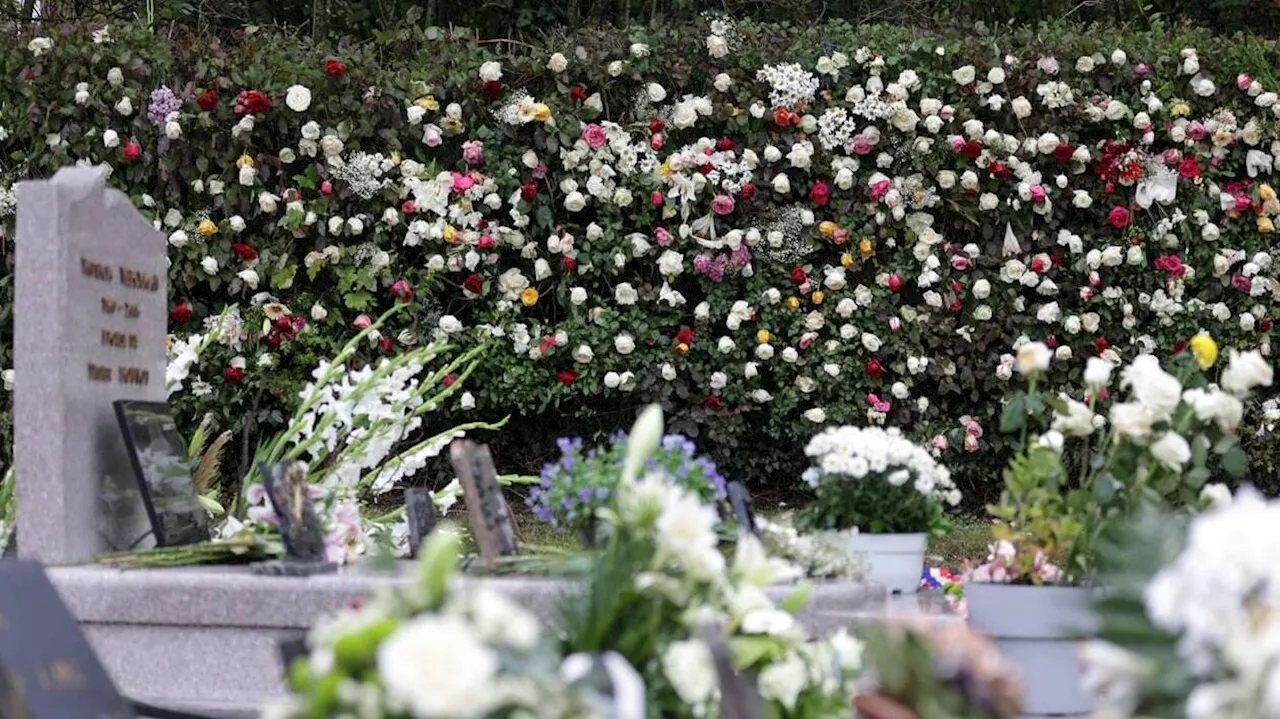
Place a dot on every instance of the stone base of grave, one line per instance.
(206, 639)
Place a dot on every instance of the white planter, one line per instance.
(1037, 629)
(894, 560)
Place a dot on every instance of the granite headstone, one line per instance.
(420, 512)
(89, 328)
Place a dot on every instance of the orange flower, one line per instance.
(781, 117)
(529, 297)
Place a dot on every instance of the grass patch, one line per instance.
(966, 543)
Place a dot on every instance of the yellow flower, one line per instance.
(846, 260)
(866, 247)
(664, 169)
(1266, 192)
(427, 102)
(763, 337)
(529, 297)
(1205, 350)
(827, 229)
(450, 233)
(793, 303)
(1265, 225)
(541, 112)
(818, 297)
(244, 161)
(207, 228)
(681, 348)
(1180, 109)
(395, 159)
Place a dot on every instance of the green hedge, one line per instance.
(841, 328)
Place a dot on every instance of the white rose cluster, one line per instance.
(877, 454)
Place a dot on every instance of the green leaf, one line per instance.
(282, 279)
(797, 599)
(1235, 462)
(358, 300)
(1015, 415)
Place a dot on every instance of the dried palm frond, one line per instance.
(195, 448)
(210, 463)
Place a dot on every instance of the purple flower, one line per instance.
(163, 102)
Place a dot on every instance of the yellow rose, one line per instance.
(763, 337)
(866, 247)
(1266, 193)
(1180, 109)
(207, 228)
(681, 348)
(818, 297)
(664, 169)
(244, 161)
(1266, 226)
(1205, 350)
(541, 112)
(529, 297)
(450, 233)
(793, 303)
(427, 102)
(827, 229)
(846, 260)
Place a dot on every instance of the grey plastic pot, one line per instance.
(1037, 629)
(893, 560)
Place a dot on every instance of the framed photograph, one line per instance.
(159, 462)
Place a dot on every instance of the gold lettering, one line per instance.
(133, 375)
(95, 270)
(139, 280)
(98, 373)
(108, 306)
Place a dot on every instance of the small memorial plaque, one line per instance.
(491, 523)
(420, 511)
(164, 476)
(47, 668)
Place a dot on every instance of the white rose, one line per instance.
(1171, 450)
(723, 82)
(639, 49)
(716, 46)
(491, 71)
(615, 68)
(624, 344)
(1021, 107)
(816, 415)
(249, 277)
(1153, 388)
(995, 75)
(115, 77)
(209, 265)
(247, 176)
(781, 183)
(782, 681)
(683, 115)
(110, 139)
(558, 63)
(318, 312)
(964, 75)
(690, 669)
(870, 342)
(39, 46)
(583, 354)
(625, 294)
(656, 92)
(445, 648)
(575, 201)
(298, 98)
(237, 223)
(125, 106)
(1246, 371)
(1033, 357)
(668, 372)
(450, 324)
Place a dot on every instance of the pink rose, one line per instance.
(880, 189)
(594, 136)
(960, 263)
(1118, 217)
(1141, 69)
(655, 142)
(970, 443)
(722, 204)
(656, 198)
(1243, 81)
(1196, 131)
(860, 145)
(362, 322)
(957, 143)
(663, 237)
(462, 183)
(1038, 194)
(473, 152)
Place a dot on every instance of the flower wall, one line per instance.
(766, 228)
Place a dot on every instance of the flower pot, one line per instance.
(894, 560)
(1037, 630)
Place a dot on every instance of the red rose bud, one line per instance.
(957, 307)
(473, 284)
(492, 88)
(1051, 342)
(874, 370)
(1265, 325)
(233, 374)
(1179, 346)
(578, 93)
(485, 243)
(566, 376)
(747, 192)
(725, 144)
(180, 313)
(448, 380)
(656, 125)
(244, 252)
(385, 344)
(1118, 217)
(715, 404)
(326, 188)
(408, 207)
(894, 283)
(656, 198)
(132, 150)
(335, 68)
(798, 276)
(208, 100)
(528, 191)
(402, 290)
(820, 194)
(971, 149)
(569, 263)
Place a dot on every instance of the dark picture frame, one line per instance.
(158, 457)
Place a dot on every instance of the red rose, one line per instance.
(385, 343)
(798, 276)
(473, 284)
(1118, 217)
(208, 100)
(566, 376)
(1051, 342)
(402, 290)
(957, 307)
(1039, 265)
(656, 125)
(972, 149)
(335, 68)
(448, 380)
(1265, 325)
(180, 313)
(874, 370)
(569, 263)
(578, 93)
(998, 169)
(244, 252)
(492, 88)
(1063, 152)
(233, 374)
(894, 283)
(1179, 346)
(485, 243)
(715, 404)
(1100, 344)
(274, 339)
(528, 190)
(1189, 168)
(747, 192)
(725, 144)
(132, 150)
(1241, 283)
(252, 101)
(820, 194)
(684, 337)
(408, 207)
(283, 323)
